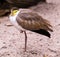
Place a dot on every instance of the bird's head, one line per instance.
(14, 11)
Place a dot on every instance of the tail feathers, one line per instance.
(48, 28)
(47, 22)
(47, 25)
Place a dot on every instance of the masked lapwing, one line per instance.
(27, 19)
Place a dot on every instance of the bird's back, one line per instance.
(31, 20)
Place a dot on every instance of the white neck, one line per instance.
(13, 18)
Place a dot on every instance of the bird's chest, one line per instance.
(14, 22)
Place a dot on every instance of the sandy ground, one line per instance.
(12, 41)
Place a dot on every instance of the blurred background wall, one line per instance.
(18, 3)
(5, 5)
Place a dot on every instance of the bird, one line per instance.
(28, 19)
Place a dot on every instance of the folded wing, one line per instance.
(31, 20)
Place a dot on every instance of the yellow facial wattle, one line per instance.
(13, 13)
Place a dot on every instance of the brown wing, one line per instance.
(32, 21)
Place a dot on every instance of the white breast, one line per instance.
(14, 22)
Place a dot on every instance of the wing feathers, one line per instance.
(32, 21)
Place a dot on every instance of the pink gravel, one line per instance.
(12, 41)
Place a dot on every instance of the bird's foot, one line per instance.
(24, 49)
